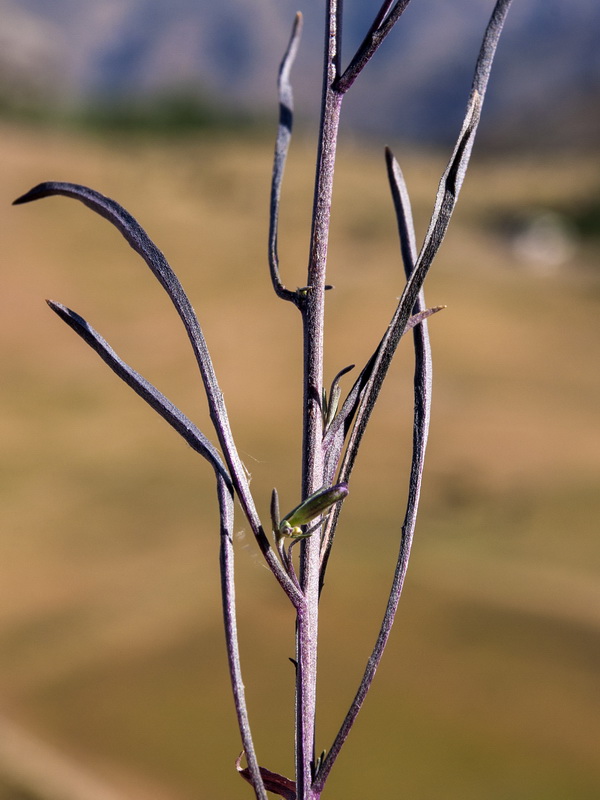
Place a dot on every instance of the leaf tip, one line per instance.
(58, 308)
(24, 198)
(41, 190)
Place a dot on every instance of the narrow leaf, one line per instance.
(404, 217)
(282, 143)
(421, 316)
(278, 784)
(337, 429)
(275, 518)
(449, 187)
(335, 392)
(155, 399)
(139, 240)
(383, 23)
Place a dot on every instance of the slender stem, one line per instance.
(225, 497)
(448, 191)
(447, 195)
(422, 410)
(313, 308)
(382, 25)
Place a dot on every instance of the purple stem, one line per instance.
(312, 308)
(448, 191)
(225, 496)
(422, 394)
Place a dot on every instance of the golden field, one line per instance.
(111, 648)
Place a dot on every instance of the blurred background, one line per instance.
(113, 678)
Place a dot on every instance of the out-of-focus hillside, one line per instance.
(111, 648)
(546, 82)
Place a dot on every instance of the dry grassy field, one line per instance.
(111, 649)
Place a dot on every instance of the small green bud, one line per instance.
(311, 508)
(330, 403)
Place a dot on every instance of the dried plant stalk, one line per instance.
(332, 434)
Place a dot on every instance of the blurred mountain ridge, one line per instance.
(546, 83)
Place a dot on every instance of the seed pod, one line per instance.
(311, 508)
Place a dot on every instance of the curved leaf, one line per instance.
(282, 143)
(139, 240)
(169, 412)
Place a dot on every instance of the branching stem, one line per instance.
(322, 451)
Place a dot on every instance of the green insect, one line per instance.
(314, 506)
